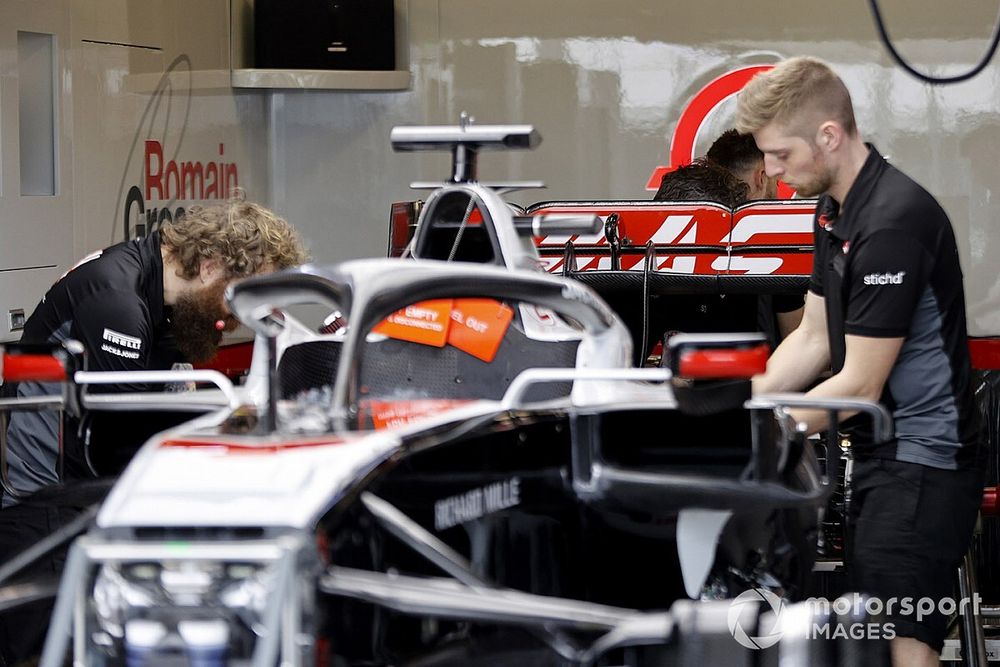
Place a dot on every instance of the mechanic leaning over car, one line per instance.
(738, 154)
(775, 315)
(141, 305)
(885, 312)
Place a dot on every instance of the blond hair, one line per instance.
(799, 94)
(245, 237)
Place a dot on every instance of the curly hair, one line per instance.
(246, 237)
(702, 181)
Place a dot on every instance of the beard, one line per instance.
(816, 186)
(193, 322)
(820, 181)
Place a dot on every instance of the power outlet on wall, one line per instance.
(15, 319)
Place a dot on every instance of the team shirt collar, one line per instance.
(839, 218)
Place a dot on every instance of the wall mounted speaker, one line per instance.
(324, 34)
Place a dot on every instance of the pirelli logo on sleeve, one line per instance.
(121, 345)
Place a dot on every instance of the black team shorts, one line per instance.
(910, 526)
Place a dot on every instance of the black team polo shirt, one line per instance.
(887, 265)
(112, 302)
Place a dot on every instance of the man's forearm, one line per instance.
(797, 362)
(788, 322)
(841, 385)
(866, 369)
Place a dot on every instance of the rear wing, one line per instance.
(685, 247)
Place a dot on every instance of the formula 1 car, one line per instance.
(468, 471)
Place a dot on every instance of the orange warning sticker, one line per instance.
(478, 326)
(425, 322)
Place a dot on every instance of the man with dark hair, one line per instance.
(700, 313)
(885, 312)
(738, 154)
(702, 181)
(776, 315)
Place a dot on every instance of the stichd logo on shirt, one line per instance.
(885, 278)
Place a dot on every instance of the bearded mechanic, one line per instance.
(885, 312)
(140, 305)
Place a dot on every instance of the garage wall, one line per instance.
(36, 185)
(604, 81)
(151, 78)
(129, 77)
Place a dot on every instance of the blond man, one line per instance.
(885, 312)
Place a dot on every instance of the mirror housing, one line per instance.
(718, 356)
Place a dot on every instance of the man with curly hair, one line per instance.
(738, 154)
(140, 305)
(702, 180)
(774, 314)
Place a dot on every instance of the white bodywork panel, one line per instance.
(216, 486)
(277, 481)
(698, 532)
